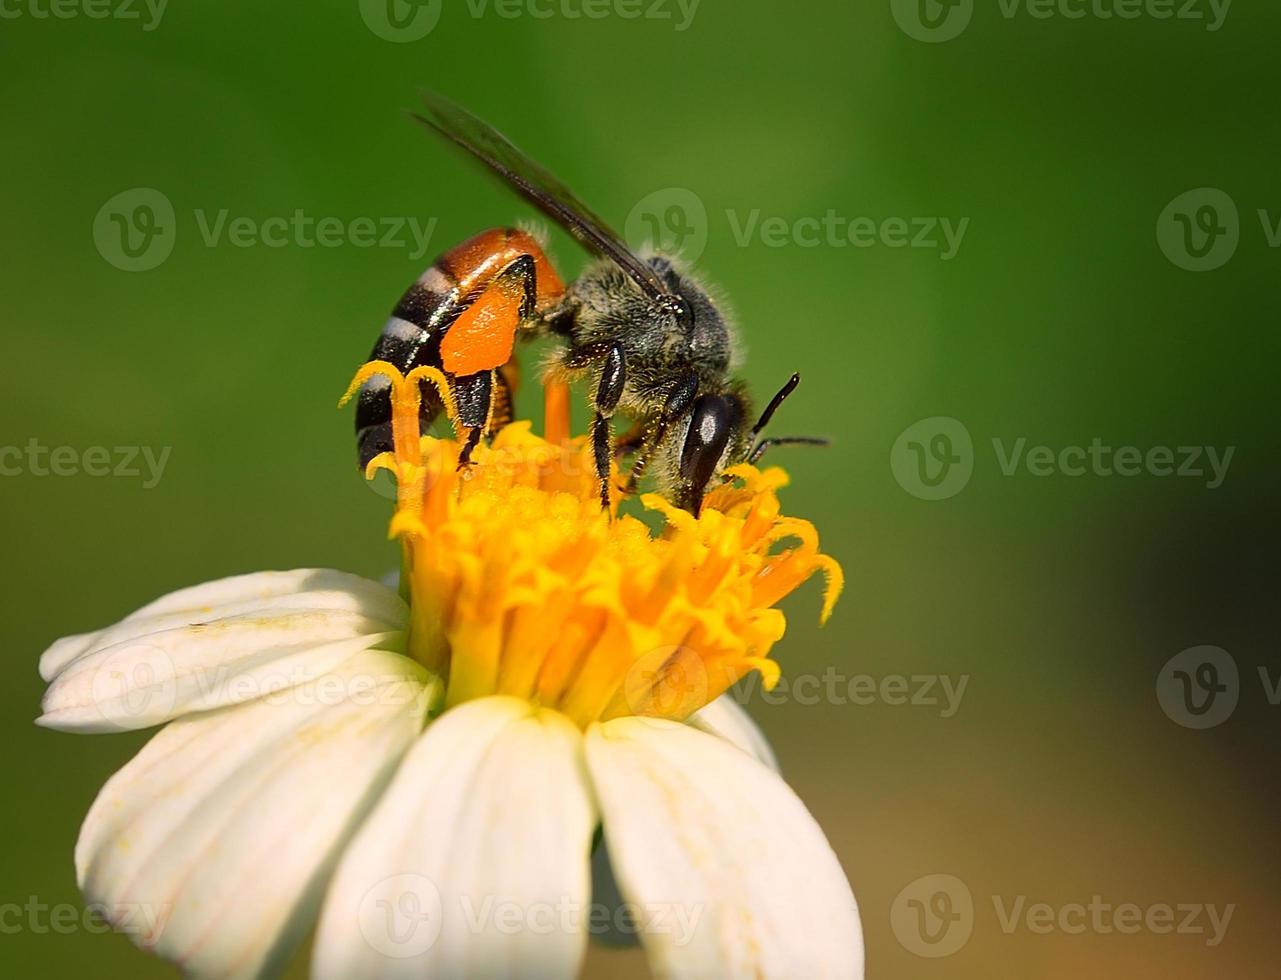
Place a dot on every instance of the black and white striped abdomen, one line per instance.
(410, 338)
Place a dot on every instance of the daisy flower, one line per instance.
(420, 777)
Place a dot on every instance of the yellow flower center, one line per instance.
(520, 584)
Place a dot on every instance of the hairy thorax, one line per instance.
(658, 348)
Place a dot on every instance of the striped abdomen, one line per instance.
(456, 281)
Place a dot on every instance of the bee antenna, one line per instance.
(759, 450)
(774, 402)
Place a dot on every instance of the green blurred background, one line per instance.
(1059, 319)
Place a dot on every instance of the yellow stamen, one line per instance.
(519, 584)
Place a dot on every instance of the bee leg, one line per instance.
(677, 404)
(469, 447)
(503, 403)
(474, 402)
(613, 376)
(654, 437)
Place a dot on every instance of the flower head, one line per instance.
(521, 585)
(426, 778)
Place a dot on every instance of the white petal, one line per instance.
(211, 600)
(214, 645)
(729, 874)
(61, 652)
(213, 846)
(475, 862)
(726, 718)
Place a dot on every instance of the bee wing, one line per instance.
(541, 189)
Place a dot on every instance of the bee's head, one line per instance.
(713, 436)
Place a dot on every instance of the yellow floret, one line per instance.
(520, 584)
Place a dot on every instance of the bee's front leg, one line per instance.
(677, 404)
(613, 376)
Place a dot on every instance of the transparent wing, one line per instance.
(542, 189)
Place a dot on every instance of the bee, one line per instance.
(642, 331)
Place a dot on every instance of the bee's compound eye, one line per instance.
(712, 422)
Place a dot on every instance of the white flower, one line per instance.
(461, 847)
(421, 780)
